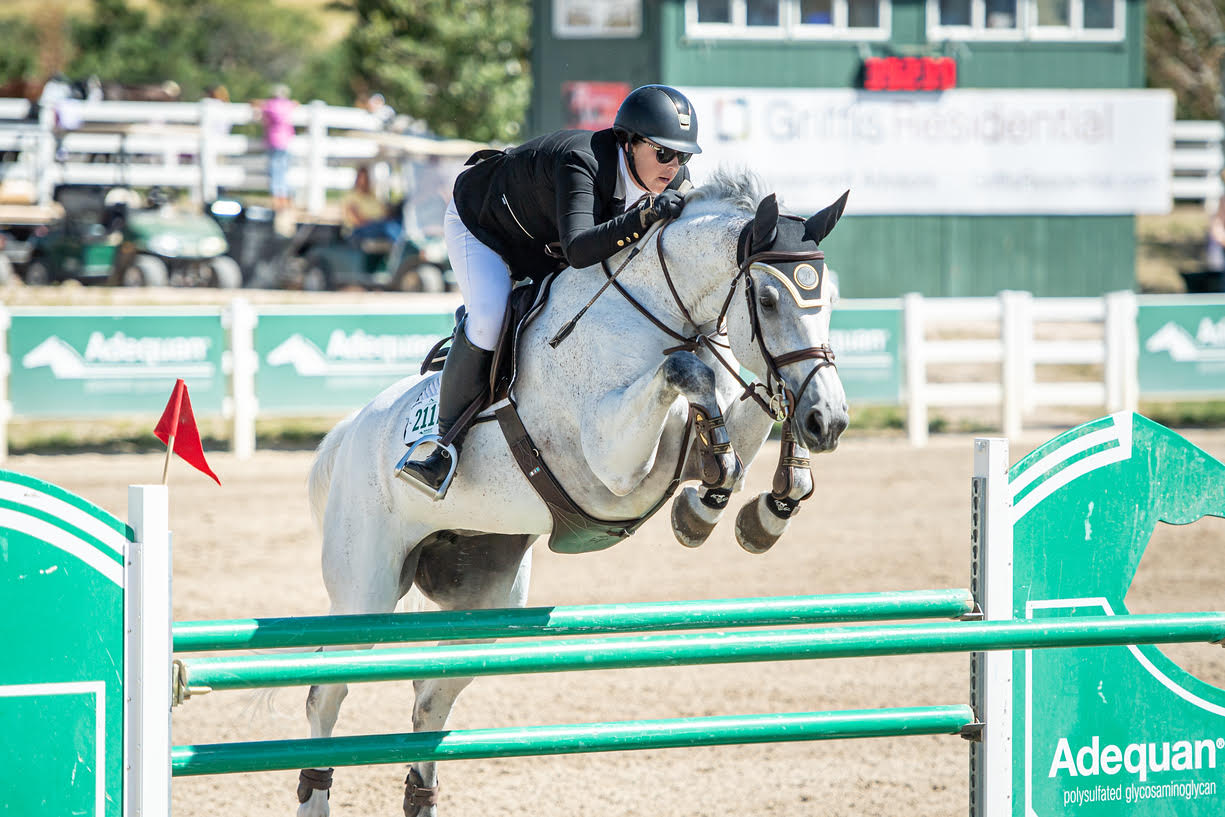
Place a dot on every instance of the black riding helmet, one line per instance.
(661, 114)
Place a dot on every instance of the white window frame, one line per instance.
(599, 9)
(1027, 27)
(789, 27)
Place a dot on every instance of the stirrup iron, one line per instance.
(428, 490)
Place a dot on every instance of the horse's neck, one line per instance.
(699, 272)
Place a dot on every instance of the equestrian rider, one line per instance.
(569, 198)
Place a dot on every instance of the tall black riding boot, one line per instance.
(464, 378)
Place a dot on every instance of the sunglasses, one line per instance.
(665, 155)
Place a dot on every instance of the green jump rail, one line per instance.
(594, 619)
(472, 744)
(511, 658)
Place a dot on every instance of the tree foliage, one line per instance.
(197, 43)
(459, 65)
(1184, 45)
(19, 56)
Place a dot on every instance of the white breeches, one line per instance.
(483, 277)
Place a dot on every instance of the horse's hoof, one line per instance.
(315, 806)
(692, 520)
(757, 528)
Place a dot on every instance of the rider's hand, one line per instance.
(667, 204)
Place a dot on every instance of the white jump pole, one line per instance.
(147, 655)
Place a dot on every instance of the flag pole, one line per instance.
(174, 427)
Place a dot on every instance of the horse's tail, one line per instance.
(319, 480)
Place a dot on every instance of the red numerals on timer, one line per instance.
(909, 73)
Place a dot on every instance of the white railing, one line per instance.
(1009, 337)
(190, 145)
(1197, 162)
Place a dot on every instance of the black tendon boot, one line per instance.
(464, 379)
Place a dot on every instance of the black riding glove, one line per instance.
(667, 204)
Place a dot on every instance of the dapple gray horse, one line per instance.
(608, 408)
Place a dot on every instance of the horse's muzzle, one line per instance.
(821, 427)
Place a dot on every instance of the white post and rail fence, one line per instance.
(1005, 357)
(192, 146)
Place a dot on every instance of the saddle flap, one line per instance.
(518, 307)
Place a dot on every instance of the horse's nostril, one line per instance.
(814, 424)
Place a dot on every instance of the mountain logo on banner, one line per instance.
(1207, 345)
(352, 354)
(121, 356)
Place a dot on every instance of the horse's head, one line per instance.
(780, 329)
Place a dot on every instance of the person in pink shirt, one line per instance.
(277, 117)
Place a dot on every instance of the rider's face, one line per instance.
(655, 176)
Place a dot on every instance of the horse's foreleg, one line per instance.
(696, 511)
(760, 523)
(460, 573)
(620, 460)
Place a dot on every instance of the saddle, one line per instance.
(574, 530)
(521, 306)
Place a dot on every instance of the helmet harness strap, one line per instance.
(629, 157)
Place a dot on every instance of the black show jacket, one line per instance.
(555, 189)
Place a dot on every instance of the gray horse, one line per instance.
(609, 411)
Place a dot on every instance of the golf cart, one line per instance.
(162, 244)
(80, 245)
(333, 261)
(266, 258)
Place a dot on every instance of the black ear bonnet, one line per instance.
(789, 246)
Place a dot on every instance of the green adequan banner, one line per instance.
(867, 342)
(331, 362)
(1182, 346)
(104, 362)
(1108, 731)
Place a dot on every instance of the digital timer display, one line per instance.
(909, 73)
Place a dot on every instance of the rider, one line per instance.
(569, 198)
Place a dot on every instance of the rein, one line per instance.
(781, 400)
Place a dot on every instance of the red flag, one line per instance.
(177, 429)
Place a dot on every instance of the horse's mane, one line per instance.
(740, 187)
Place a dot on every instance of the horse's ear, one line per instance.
(765, 224)
(820, 225)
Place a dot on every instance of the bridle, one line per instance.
(778, 400)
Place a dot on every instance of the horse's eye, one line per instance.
(768, 298)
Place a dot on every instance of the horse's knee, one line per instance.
(688, 375)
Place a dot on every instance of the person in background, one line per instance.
(380, 110)
(220, 124)
(364, 215)
(276, 115)
(572, 197)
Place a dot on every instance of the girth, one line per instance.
(575, 530)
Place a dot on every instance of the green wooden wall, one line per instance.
(886, 256)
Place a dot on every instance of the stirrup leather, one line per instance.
(410, 477)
